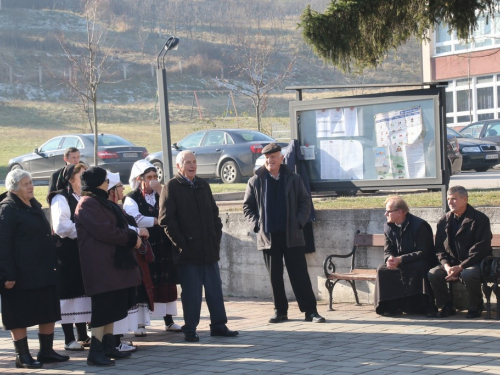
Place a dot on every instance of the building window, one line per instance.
(485, 35)
(463, 100)
(463, 118)
(485, 116)
(485, 98)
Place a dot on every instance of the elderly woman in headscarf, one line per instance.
(110, 271)
(27, 275)
(142, 203)
(75, 306)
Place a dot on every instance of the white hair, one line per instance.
(13, 178)
(179, 160)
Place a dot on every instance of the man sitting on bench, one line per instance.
(402, 283)
(463, 240)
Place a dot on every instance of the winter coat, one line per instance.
(190, 217)
(472, 241)
(98, 238)
(27, 252)
(412, 241)
(298, 206)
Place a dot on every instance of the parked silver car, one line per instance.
(229, 154)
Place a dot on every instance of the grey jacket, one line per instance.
(298, 206)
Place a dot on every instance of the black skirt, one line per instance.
(110, 307)
(405, 288)
(26, 308)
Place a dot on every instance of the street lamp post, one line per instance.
(161, 76)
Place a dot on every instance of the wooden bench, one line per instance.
(355, 274)
(490, 270)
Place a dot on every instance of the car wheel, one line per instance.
(347, 193)
(482, 169)
(230, 173)
(16, 166)
(159, 169)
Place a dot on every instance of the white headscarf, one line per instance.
(137, 169)
(114, 179)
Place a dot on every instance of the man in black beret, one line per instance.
(277, 205)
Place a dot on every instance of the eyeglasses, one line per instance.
(107, 181)
(117, 186)
(389, 211)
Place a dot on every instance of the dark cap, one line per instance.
(271, 148)
(92, 178)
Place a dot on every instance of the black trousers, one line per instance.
(296, 265)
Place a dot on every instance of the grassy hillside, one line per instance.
(35, 106)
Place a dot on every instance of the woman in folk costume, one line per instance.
(75, 306)
(142, 203)
(137, 315)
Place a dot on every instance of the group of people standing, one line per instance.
(113, 267)
(417, 268)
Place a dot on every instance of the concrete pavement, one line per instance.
(354, 340)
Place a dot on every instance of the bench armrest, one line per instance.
(328, 264)
(489, 267)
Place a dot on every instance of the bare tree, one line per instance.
(90, 64)
(255, 62)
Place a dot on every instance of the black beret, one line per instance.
(270, 148)
(93, 177)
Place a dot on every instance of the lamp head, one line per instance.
(172, 43)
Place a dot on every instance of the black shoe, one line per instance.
(226, 332)
(391, 313)
(447, 310)
(110, 351)
(278, 317)
(315, 318)
(96, 355)
(430, 312)
(191, 337)
(23, 356)
(475, 312)
(46, 353)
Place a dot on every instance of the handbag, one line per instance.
(146, 250)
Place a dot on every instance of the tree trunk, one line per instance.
(257, 113)
(96, 135)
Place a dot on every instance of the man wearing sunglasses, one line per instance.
(402, 284)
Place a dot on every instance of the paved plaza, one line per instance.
(354, 340)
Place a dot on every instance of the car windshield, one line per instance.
(454, 133)
(250, 136)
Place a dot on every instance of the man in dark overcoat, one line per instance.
(402, 284)
(463, 240)
(191, 220)
(277, 205)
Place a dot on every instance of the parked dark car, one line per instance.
(115, 154)
(488, 130)
(228, 154)
(478, 154)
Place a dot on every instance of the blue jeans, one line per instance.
(193, 277)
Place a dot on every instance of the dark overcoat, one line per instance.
(98, 238)
(27, 253)
(472, 242)
(298, 206)
(191, 220)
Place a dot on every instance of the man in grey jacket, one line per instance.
(277, 205)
